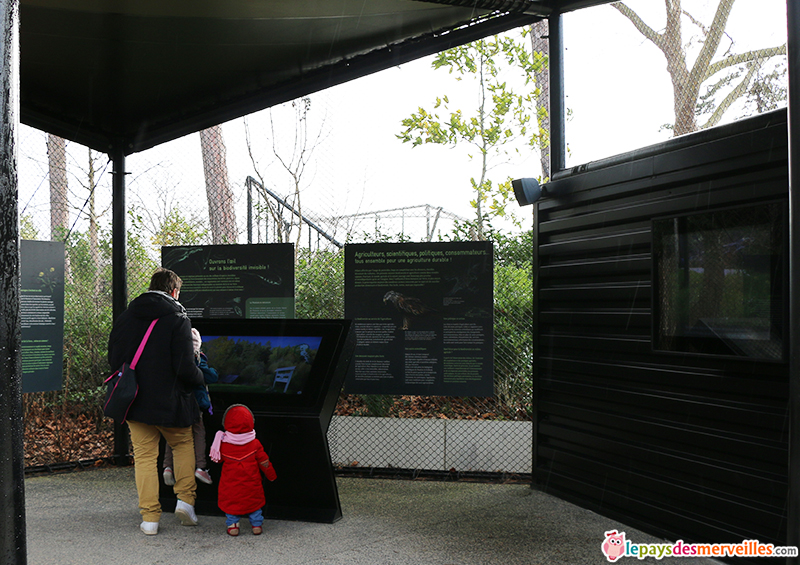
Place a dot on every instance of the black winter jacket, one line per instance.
(166, 371)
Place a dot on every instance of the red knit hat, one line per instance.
(238, 419)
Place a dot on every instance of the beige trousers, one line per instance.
(145, 439)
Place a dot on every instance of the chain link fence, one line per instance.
(280, 176)
(67, 425)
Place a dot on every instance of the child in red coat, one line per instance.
(241, 492)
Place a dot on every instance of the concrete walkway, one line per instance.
(90, 517)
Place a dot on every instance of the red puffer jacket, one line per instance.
(240, 489)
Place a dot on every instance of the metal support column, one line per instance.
(793, 518)
(13, 545)
(119, 273)
(558, 114)
(558, 161)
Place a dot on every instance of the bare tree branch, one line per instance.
(294, 161)
(686, 84)
(271, 208)
(639, 24)
(711, 44)
(733, 95)
(758, 54)
(695, 21)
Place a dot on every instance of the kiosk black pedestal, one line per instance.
(289, 373)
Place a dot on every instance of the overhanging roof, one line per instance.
(136, 73)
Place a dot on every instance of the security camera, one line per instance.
(527, 191)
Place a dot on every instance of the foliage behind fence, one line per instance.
(319, 294)
(272, 184)
(67, 425)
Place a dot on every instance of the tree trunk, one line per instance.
(57, 168)
(221, 213)
(685, 82)
(483, 148)
(539, 43)
(94, 244)
(684, 94)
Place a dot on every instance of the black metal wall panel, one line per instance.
(684, 446)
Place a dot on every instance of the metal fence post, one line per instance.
(558, 114)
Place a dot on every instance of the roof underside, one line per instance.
(137, 73)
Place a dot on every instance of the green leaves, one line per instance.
(176, 229)
(27, 229)
(423, 127)
(502, 69)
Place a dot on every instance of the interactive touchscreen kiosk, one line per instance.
(289, 373)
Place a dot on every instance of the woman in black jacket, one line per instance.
(165, 404)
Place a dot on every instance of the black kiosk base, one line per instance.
(289, 373)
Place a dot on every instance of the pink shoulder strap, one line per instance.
(141, 345)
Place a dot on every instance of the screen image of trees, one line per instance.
(253, 362)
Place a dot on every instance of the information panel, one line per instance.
(423, 318)
(42, 314)
(234, 281)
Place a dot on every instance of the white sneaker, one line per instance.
(203, 475)
(149, 528)
(185, 513)
(169, 478)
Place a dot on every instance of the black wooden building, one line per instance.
(661, 322)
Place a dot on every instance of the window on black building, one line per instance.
(719, 282)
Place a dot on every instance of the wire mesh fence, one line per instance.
(276, 177)
(67, 425)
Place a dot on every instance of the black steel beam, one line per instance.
(793, 512)
(558, 114)
(119, 270)
(119, 284)
(537, 7)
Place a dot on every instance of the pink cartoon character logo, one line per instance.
(614, 545)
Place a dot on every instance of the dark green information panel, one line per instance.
(42, 314)
(423, 318)
(234, 281)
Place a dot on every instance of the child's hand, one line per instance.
(269, 470)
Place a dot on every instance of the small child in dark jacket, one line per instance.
(241, 492)
(198, 428)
